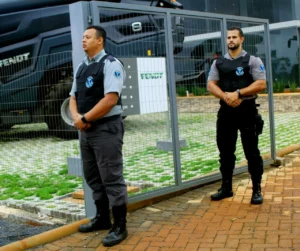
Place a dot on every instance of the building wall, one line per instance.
(296, 7)
(274, 10)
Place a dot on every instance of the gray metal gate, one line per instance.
(167, 54)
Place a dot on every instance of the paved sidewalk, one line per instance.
(193, 222)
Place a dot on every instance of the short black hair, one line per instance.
(236, 28)
(100, 32)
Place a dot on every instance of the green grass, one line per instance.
(43, 186)
(165, 178)
(142, 161)
(188, 176)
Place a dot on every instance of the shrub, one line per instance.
(181, 91)
(278, 86)
(199, 91)
(293, 86)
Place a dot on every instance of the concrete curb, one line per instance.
(284, 151)
(25, 217)
(45, 237)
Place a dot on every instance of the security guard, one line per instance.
(95, 106)
(236, 79)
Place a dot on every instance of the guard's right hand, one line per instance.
(231, 99)
(86, 127)
(236, 103)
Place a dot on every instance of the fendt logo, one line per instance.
(152, 75)
(14, 60)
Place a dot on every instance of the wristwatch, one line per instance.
(239, 92)
(83, 119)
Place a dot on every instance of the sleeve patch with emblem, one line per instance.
(117, 74)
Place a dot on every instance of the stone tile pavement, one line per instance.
(193, 222)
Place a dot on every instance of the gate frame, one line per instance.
(83, 14)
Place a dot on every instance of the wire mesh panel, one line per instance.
(255, 44)
(196, 109)
(138, 40)
(35, 141)
(285, 68)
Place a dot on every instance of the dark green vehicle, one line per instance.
(36, 60)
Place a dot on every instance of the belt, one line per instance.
(249, 97)
(106, 119)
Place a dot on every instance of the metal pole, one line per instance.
(173, 103)
(298, 55)
(168, 125)
(224, 35)
(79, 13)
(270, 91)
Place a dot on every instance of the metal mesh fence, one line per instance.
(36, 142)
(255, 45)
(196, 110)
(146, 105)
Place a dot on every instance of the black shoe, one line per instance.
(119, 231)
(98, 223)
(115, 236)
(257, 197)
(222, 194)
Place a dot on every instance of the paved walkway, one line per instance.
(193, 222)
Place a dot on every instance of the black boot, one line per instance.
(119, 231)
(257, 197)
(224, 192)
(101, 221)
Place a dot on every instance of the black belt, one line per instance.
(249, 97)
(106, 119)
(246, 102)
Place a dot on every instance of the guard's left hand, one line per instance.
(232, 97)
(80, 125)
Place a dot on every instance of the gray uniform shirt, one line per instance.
(257, 69)
(113, 81)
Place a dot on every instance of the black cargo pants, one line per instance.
(230, 121)
(101, 152)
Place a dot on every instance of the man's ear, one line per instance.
(100, 40)
(242, 39)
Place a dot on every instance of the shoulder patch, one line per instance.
(262, 68)
(111, 58)
(117, 74)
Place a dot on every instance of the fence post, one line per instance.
(173, 104)
(270, 91)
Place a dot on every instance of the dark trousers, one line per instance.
(229, 122)
(101, 152)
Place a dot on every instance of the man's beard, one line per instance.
(236, 46)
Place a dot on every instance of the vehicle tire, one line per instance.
(52, 110)
(5, 127)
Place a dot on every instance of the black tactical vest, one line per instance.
(90, 85)
(234, 74)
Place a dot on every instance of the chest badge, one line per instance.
(89, 82)
(239, 71)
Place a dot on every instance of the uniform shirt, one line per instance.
(112, 82)
(257, 69)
